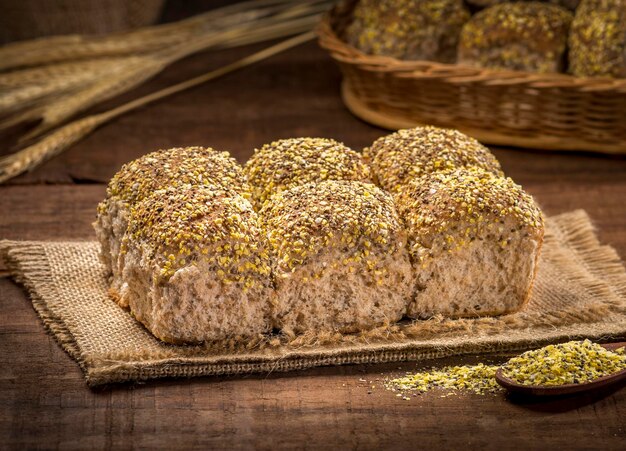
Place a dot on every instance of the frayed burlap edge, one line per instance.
(29, 265)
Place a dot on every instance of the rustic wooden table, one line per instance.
(44, 402)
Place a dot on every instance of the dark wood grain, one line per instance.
(44, 402)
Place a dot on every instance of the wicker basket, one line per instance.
(543, 111)
(28, 19)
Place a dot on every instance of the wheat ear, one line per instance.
(58, 141)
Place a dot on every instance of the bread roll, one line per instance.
(195, 267)
(408, 154)
(339, 257)
(158, 170)
(518, 36)
(408, 29)
(474, 240)
(290, 162)
(569, 4)
(597, 39)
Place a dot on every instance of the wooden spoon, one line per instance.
(552, 390)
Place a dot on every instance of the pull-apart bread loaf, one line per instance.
(158, 170)
(407, 154)
(597, 39)
(408, 29)
(474, 239)
(195, 265)
(517, 36)
(286, 163)
(339, 257)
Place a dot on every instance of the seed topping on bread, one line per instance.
(286, 163)
(407, 154)
(302, 222)
(407, 29)
(177, 167)
(517, 36)
(186, 224)
(598, 39)
(456, 204)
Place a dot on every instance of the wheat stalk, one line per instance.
(45, 74)
(20, 97)
(129, 77)
(66, 98)
(30, 157)
(64, 48)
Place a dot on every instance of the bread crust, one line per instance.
(597, 39)
(194, 262)
(287, 163)
(521, 305)
(405, 155)
(446, 214)
(517, 36)
(195, 266)
(406, 29)
(339, 257)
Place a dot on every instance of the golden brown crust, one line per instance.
(304, 221)
(431, 206)
(597, 39)
(400, 157)
(569, 4)
(176, 167)
(117, 298)
(518, 36)
(286, 163)
(182, 225)
(406, 29)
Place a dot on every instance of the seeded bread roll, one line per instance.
(195, 267)
(518, 36)
(408, 154)
(597, 39)
(339, 257)
(408, 29)
(158, 170)
(287, 163)
(569, 4)
(474, 240)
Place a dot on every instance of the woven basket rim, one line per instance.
(453, 72)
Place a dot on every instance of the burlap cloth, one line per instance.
(580, 291)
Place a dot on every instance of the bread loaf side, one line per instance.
(177, 167)
(474, 239)
(195, 267)
(339, 257)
